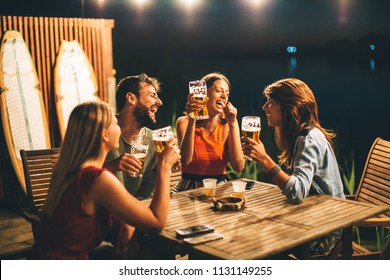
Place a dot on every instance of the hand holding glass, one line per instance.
(250, 127)
(161, 137)
(139, 149)
(199, 91)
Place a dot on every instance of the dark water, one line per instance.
(353, 95)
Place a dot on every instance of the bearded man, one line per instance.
(137, 103)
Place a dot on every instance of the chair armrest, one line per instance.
(375, 222)
(350, 196)
(30, 217)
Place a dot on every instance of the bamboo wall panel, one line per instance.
(43, 36)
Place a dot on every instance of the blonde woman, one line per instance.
(83, 195)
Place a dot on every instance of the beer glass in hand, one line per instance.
(199, 91)
(250, 127)
(161, 137)
(139, 149)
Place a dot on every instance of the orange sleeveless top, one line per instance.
(210, 153)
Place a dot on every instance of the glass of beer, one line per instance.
(239, 188)
(250, 127)
(160, 137)
(199, 90)
(139, 149)
(209, 186)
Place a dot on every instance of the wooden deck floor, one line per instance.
(16, 237)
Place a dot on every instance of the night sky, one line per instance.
(177, 44)
(226, 23)
(164, 28)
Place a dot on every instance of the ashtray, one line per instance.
(229, 203)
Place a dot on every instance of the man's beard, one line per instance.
(141, 113)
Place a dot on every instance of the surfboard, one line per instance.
(22, 108)
(74, 81)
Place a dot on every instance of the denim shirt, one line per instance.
(315, 169)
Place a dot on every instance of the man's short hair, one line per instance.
(132, 84)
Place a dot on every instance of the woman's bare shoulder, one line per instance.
(183, 120)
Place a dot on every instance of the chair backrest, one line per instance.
(38, 168)
(374, 186)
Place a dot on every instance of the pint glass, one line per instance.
(251, 126)
(199, 90)
(139, 149)
(161, 136)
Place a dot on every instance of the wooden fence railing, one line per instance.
(43, 36)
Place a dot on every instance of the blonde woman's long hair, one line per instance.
(82, 142)
(300, 113)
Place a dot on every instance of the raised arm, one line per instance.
(110, 193)
(185, 130)
(236, 156)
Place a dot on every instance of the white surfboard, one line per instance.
(74, 81)
(22, 109)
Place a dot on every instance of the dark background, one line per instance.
(248, 44)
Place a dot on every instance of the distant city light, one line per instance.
(372, 65)
(293, 64)
(372, 47)
(291, 49)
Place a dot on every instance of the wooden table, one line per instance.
(268, 225)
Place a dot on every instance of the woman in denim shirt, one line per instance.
(306, 148)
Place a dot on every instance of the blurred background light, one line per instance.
(189, 5)
(140, 3)
(255, 4)
(291, 49)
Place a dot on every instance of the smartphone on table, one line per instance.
(249, 185)
(194, 230)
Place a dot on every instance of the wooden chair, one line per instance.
(374, 187)
(38, 168)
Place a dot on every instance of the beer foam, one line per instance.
(161, 138)
(251, 129)
(140, 155)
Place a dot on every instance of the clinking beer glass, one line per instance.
(161, 137)
(250, 127)
(139, 149)
(199, 91)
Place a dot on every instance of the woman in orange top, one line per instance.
(208, 145)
